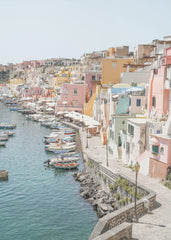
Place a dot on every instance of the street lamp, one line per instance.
(137, 168)
(107, 163)
(87, 139)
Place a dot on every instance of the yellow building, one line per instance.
(16, 81)
(112, 69)
(62, 77)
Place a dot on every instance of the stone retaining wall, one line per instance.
(124, 214)
(123, 231)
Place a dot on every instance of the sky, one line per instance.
(44, 29)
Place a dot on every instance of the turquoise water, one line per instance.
(38, 204)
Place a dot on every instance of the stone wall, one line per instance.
(124, 214)
(123, 231)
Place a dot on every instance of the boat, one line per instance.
(9, 133)
(54, 148)
(7, 126)
(53, 161)
(2, 144)
(3, 137)
(57, 140)
(67, 154)
(66, 166)
(3, 174)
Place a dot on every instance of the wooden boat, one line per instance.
(53, 161)
(55, 148)
(7, 126)
(3, 174)
(3, 137)
(57, 140)
(66, 166)
(67, 154)
(9, 133)
(2, 144)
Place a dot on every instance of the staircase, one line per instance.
(88, 109)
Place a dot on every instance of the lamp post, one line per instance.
(137, 168)
(107, 163)
(87, 139)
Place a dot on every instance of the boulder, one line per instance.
(100, 212)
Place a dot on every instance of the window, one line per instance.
(153, 101)
(65, 96)
(131, 129)
(158, 131)
(75, 92)
(163, 61)
(161, 150)
(138, 102)
(155, 149)
(93, 77)
(114, 64)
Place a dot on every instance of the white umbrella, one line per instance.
(49, 109)
(134, 89)
(60, 112)
(91, 126)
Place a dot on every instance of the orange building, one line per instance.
(112, 69)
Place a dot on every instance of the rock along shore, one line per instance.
(93, 193)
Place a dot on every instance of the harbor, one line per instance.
(46, 200)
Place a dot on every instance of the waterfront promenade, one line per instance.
(154, 225)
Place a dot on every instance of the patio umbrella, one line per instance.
(134, 89)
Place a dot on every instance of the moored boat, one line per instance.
(66, 166)
(55, 148)
(7, 126)
(2, 144)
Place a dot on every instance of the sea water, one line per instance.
(38, 203)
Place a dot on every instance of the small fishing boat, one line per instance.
(2, 144)
(55, 148)
(3, 137)
(66, 166)
(7, 126)
(9, 133)
(53, 161)
(67, 154)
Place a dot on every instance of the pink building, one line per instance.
(92, 77)
(160, 159)
(159, 88)
(73, 97)
(34, 92)
(138, 104)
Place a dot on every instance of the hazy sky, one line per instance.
(40, 29)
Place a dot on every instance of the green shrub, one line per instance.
(117, 196)
(104, 178)
(139, 196)
(89, 164)
(167, 184)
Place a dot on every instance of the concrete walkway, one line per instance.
(155, 225)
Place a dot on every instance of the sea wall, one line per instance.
(124, 214)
